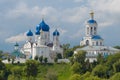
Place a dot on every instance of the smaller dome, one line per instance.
(16, 44)
(56, 33)
(37, 32)
(91, 21)
(38, 28)
(96, 37)
(29, 33)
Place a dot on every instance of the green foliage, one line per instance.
(112, 59)
(68, 53)
(31, 68)
(51, 75)
(92, 78)
(45, 60)
(75, 47)
(80, 57)
(115, 77)
(117, 47)
(59, 56)
(100, 71)
(9, 60)
(3, 71)
(65, 48)
(100, 59)
(16, 73)
(76, 68)
(36, 57)
(116, 66)
(41, 59)
(55, 59)
(86, 75)
(75, 77)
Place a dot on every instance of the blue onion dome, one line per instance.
(37, 32)
(29, 33)
(96, 37)
(44, 26)
(56, 33)
(91, 21)
(38, 28)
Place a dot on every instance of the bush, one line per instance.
(51, 75)
(115, 77)
(75, 77)
(76, 68)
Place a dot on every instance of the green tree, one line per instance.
(117, 47)
(31, 68)
(84, 76)
(36, 57)
(16, 73)
(100, 59)
(116, 76)
(13, 59)
(9, 60)
(41, 59)
(55, 59)
(68, 53)
(59, 56)
(1, 54)
(3, 71)
(112, 59)
(45, 60)
(116, 66)
(75, 77)
(80, 56)
(76, 68)
(65, 47)
(93, 78)
(100, 71)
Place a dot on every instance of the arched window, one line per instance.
(96, 43)
(87, 42)
(87, 30)
(101, 43)
(91, 30)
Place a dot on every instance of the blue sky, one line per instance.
(68, 16)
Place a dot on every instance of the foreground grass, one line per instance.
(61, 70)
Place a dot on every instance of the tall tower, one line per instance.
(29, 35)
(45, 29)
(16, 46)
(91, 26)
(37, 33)
(41, 39)
(91, 37)
(56, 44)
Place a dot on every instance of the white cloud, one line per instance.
(32, 12)
(74, 15)
(17, 38)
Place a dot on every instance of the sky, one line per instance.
(68, 16)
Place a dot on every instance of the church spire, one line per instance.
(92, 14)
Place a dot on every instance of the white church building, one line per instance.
(94, 43)
(39, 43)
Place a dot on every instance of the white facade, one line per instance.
(40, 44)
(93, 43)
(91, 37)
